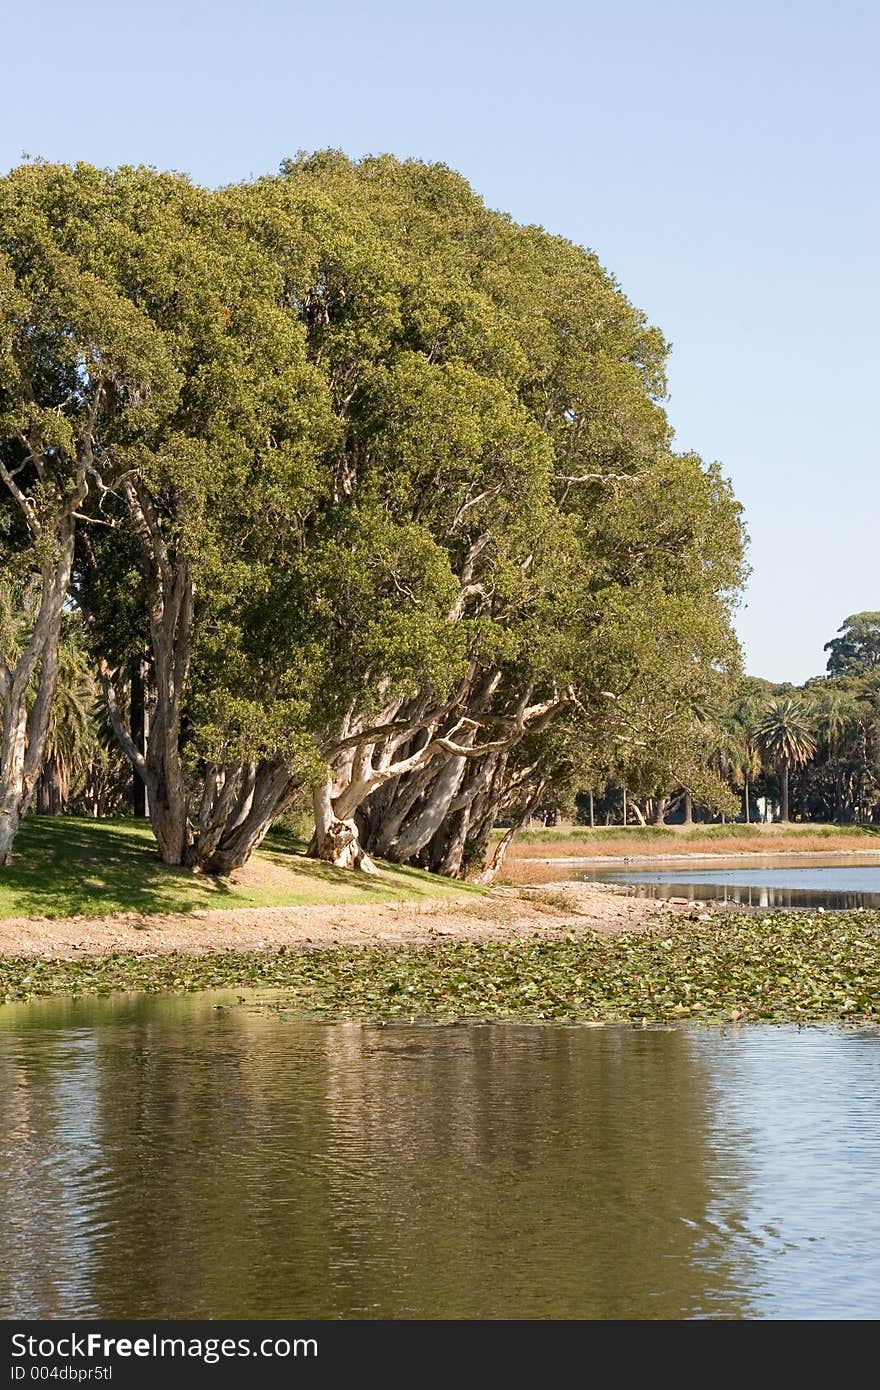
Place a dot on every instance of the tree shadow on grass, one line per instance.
(68, 867)
(65, 866)
(396, 879)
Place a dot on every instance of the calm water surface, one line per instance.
(168, 1158)
(771, 883)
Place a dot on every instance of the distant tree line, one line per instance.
(809, 753)
(337, 488)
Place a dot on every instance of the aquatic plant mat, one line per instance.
(781, 968)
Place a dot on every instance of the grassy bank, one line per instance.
(616, 841)
(779, 969)
(67, 867)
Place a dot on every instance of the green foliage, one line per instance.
(392, 445)
(784, 732)
(857, 650)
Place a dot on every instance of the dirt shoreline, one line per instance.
(551, 911)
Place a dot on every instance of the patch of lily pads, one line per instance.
(780, 968)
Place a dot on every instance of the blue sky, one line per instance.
(723, 165)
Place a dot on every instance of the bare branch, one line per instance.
(23, 501)
(599, 478)
(130, 748)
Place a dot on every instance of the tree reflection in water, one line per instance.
(165, 1157)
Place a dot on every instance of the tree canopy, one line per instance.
(856, 650)
(374, 484)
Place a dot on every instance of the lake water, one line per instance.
(772, 882)
(165, 1157)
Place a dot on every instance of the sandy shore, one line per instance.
(551, 910)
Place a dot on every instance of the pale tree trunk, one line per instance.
(496, 863)
(746, 797)
(336, 841)
(137, 728)
(403, 780)
(171, 605)
(52, 532)
(783, 812)
(13, 786)
(688, 808)
(383, 827)
(659, 814)
(239, 806)
(420, 830)
(447, 849)
(24, 731)
(463, 831)
(460, 842)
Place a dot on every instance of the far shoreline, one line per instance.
(825, 855)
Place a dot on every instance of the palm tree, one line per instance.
(836, 719)
(72, 735)
(745, 752)
(785, 735)
(725, 754)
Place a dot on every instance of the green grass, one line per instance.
(784, 968)
(70, 867)
(648, 833)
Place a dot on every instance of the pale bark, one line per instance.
(235, 818)
(336, 841)
(421, 828)
(493, 868)
(35, 671)
(661, 804)
(171, 606)
(406, 786)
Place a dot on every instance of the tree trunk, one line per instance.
(35, 672)
(336, 841)
(137, 726)
(592, 811)
(171, 609)
(688, 808)
(24, 730)
(171, 617)
(659, 816)
(746, 798)
(11, 801)
(239, 807)
(52, 789)
(420, 830)
(784, 788)
(493, 868)
(451, 840)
